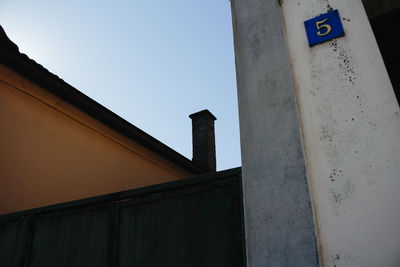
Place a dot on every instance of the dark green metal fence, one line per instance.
(192, 222)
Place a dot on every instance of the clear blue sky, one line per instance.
(151, 62)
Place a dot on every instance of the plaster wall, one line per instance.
(351, 132)
(277, 207)
(51, 152)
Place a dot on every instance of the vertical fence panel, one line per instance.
(13, 242)
(198, 229)
(78, 239)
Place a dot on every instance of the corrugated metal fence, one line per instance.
(193, 222)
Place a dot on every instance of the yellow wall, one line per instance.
(51, 152)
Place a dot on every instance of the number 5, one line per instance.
(319, 27)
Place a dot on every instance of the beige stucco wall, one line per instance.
(51, 152)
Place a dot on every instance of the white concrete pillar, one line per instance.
(351, 132)
(329, 109)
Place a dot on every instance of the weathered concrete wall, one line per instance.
(351, 132)
(51, 152)
(278, 216)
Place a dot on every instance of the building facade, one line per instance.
(58, 145)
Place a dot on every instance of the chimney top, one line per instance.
(201, 114)
(203, 139)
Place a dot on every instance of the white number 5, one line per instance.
(326, 26)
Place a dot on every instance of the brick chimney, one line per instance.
(203, 139)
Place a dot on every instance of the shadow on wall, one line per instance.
(384, 16)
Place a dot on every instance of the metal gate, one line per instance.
(192, 222)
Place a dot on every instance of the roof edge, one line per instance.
(30, 69)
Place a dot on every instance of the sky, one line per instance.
(151, 62)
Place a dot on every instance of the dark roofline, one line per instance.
(22, 64)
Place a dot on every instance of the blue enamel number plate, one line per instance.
(323, 28)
